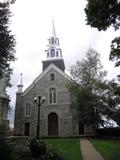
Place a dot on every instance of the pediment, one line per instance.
(46, 71)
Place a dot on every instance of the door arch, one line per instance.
(53, 124)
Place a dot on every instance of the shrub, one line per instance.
(5, 149)
(55, 156)
(39, 151)
(108, 132)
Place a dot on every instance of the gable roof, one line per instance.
(45, 72)
(59, 62)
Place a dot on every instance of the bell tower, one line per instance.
(53, 51)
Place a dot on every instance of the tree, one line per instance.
(115, 51)
(112, 101)
(87, 76)
(102, 14)
(7, 41)
(94, 97)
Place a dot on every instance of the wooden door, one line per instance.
(81, 128)
(27, 129)
(53, 124)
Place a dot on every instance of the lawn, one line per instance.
(109, 149)
(69, 148)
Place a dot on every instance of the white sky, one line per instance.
(32, 26)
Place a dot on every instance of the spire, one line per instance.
(20, 86)
(53, 48)
(53, 29)
(53, 51)
(21, 83)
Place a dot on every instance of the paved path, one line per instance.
(88, 151)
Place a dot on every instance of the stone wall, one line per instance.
(62, 108)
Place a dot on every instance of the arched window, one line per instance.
(57, 41)
(52, 95)
(27, 110)
(52, 52)
(52, 40)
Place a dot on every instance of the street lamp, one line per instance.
(39, 101)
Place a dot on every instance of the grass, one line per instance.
(69, 148)
(109, 149)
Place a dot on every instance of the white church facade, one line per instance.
(57, 114)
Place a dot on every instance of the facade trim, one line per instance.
(43, 73)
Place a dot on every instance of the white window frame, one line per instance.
(52, 92)
(50, 77)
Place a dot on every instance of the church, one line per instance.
(45, 107)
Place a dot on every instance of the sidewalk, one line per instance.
(88, 151)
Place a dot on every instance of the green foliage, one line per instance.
(5, 149)
(110, 149)
(111, 102)
(37, 148)
(39, 151)
(115, 51)
(55, 156)
(84, 102)
(101, 14)
(69, 148)
(87, 87)
(94, 97)
(7, 41)
(88, 70)
(19, 149)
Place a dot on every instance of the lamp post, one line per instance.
(39, 101)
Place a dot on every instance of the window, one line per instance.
(52, 52)
(52, 95)
(57, 54)
(52, 77)
(52, 40)
(57, 41)
(47, 54)
(27, 110)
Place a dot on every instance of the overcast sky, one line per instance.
(32, 26)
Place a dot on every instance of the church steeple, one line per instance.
(53, 48)
(53, 51)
